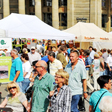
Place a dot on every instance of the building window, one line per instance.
(104, 20)
(47, 3)
(62, 2)
(1, 4)
(111, 3)
(104, 3)
(111, 20)
(32, 2)
(13, 6)
(48, 18)
(62, 19)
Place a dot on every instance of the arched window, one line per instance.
(104, 3)
(47, 3)
(62, 2)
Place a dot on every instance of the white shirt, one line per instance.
(55, 66)
(109, 60)
(34, 57)
(92, 54)
(96, 63)
(27, 68)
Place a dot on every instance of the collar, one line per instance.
(102, 89)
(43, 76)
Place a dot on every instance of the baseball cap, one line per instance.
(32, 47)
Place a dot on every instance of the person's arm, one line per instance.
(30, 105)
(25, 74)
(102, 63)
(90, 108)
(85, 88)
(3, 104)
(109, 67)
(16, 76)
(25, 103)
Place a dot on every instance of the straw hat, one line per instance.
(96, 55)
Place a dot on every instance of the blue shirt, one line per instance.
(88, 61)
(68, 51)
(16, 66)
(75, 78)
(45, 58)
(95, 97)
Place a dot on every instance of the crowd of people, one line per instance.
(58, 79)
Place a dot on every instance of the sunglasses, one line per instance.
(12, 87)
(37, 66)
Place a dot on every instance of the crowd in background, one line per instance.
(55, 79)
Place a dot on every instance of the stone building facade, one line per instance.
(62, 14)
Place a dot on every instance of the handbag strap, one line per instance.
(99, 100)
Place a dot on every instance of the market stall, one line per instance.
(85, 33)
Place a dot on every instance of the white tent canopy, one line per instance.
(88, 32)
(110, 32)
(27, 26)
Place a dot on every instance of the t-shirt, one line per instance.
(55, 66)
(101, 60)
(27, 68)
(96, 63)
(34, 57)
(95, 97)
(75, 78)
(16, 103)
(16, 66)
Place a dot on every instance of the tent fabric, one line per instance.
(88, 32)
(27, 26)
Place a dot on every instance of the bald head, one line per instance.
(42, 63)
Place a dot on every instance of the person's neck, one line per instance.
(14, 95)
(73, 64)
(60, 85)
(25, 61)
(42, 74)
(52, 60)
(105, 88)
(16, 56)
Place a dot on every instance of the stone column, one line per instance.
(99, 15)
(6, 10)
(70, 13)
(21, 6)
(93, 11)
(108, 24)
(38, 9)
(55, 14)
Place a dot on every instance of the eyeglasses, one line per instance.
(37, 66)
(58, 77)
(12, 87)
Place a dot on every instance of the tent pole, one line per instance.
(80, 45)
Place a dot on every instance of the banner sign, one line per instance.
(5, 66)
(6, 43)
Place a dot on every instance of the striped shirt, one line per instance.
(61, 102)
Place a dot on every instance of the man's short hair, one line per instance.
(51, 53)
(25, 56)
(87, 52)
(76, 51)
(102, 80)
(104, 50)
(90, 47)
(15, 51)
(63, 48)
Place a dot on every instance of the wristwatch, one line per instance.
(85, 92)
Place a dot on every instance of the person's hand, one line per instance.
(110, 69)
(51, 93)
(85, 95)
